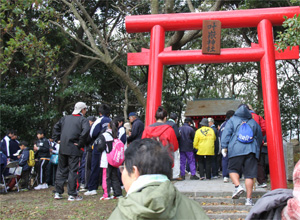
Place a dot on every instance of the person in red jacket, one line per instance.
(164, 132)
(261, 176)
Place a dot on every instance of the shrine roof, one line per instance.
(207, 107)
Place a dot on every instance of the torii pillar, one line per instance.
(264, 52)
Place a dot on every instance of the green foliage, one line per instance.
(23, 49)
(291, 35)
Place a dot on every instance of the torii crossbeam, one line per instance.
(264, 52)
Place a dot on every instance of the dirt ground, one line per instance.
(40, 204)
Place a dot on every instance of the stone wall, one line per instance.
(290, 149)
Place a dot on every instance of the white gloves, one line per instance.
(224, 152)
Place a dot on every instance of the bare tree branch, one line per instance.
(190, 5)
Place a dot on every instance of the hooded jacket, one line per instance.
(204, 141)
(157, 201)
(164, 132)
(229, 136)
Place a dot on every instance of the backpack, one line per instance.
(116, 157)
(31, 161)
(245, 133)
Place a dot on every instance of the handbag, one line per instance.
(54, 159)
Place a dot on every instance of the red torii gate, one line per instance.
(263, 19)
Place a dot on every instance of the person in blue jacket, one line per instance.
(98, 127)
(25, 168)
(242, 156)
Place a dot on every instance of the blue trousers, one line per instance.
(225, 166)
(82, 169)
(93, 183)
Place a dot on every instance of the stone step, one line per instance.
(221, 201)
(229, 208)
(255, 194)
(227, 216)
(224, 208)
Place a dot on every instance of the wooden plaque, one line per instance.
(211, 37)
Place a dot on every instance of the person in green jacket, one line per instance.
(146, 177)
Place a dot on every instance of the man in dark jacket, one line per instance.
(71, 131)
(187, 134)
(42, 149)
(242, 156)
(9, 145)
(136, 129)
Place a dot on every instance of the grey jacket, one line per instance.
(71, 130)
(270, 205)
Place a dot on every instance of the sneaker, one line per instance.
(45, 186)
(226, 180)
(263, 185)
(57, 196)
(83, 190)
(105, 198)
(115, 197)
(194, 177)
(215, 177)
(90, 193)
(238, 192)
(24, 190)
(249, 202)
(75, 198)
(182, 177)
(40, 186)
(202, 178)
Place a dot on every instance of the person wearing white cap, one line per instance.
(71, 132)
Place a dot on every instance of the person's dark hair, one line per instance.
(188, 119)
(229, 114)
(114, 127)
(12, 131)
(173, 116)
(120, 118)
(91, 118)
(40, 131)
(161, 113)
(150, 157)
(25, 143)
(104, 109)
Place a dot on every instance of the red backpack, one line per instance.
(116, 157)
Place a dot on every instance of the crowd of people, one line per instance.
(77, 152)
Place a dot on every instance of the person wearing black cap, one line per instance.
(204, 142)
(136, 129)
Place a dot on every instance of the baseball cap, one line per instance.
(132, 114)
(78, 107)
